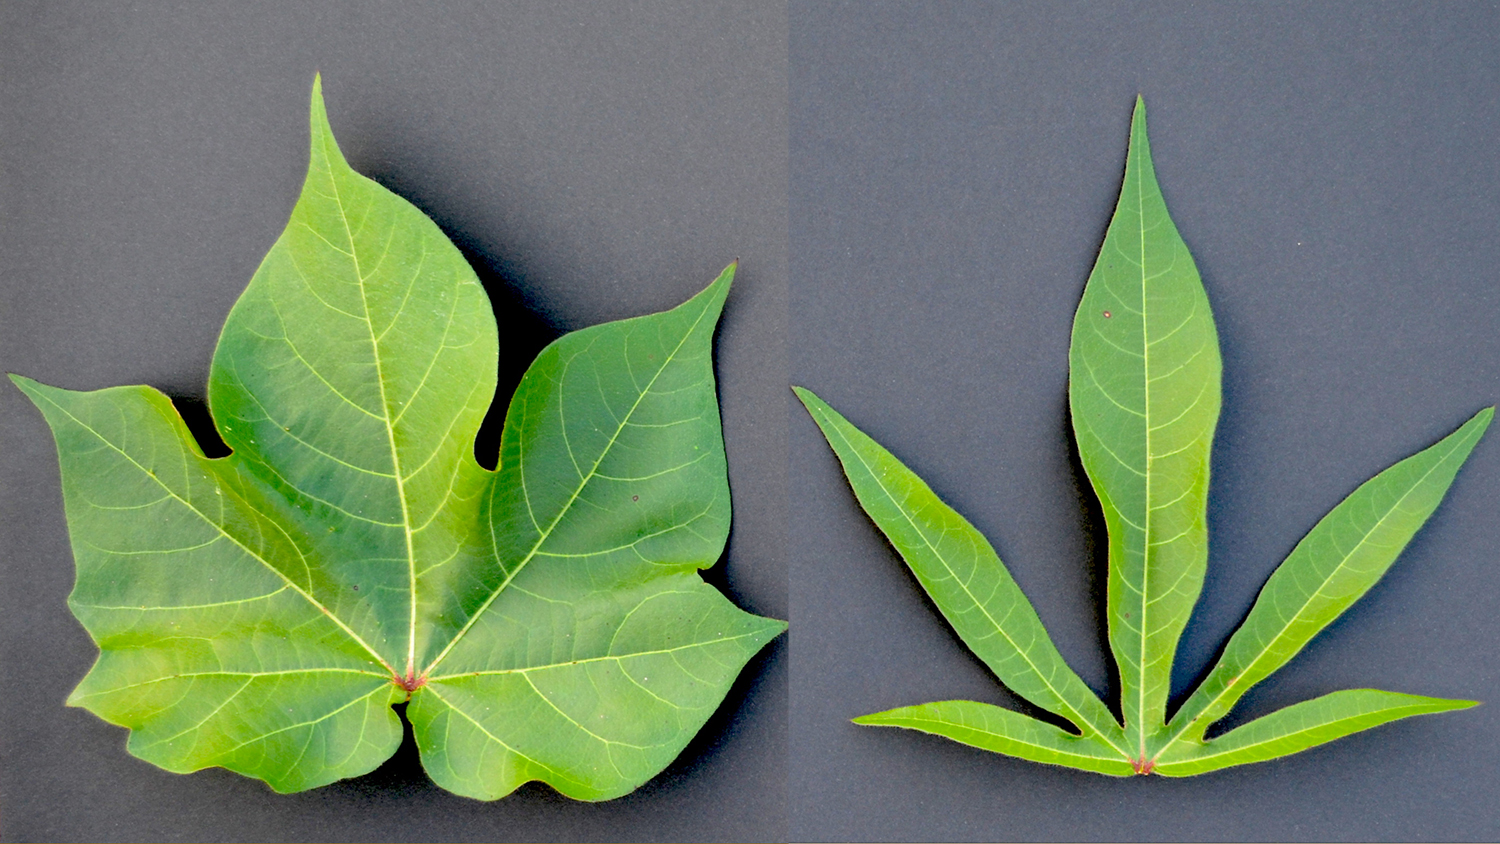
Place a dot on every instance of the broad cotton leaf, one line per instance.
(263, 611)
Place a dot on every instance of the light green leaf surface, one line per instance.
(1298, 727)
(1000, 730)
(1143, 387)
(1143, 391)
(262, 611)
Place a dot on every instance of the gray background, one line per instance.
(1333, 168)
(594, 161)
(952, 169)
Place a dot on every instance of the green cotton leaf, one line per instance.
(1144, 394)
(263, 611)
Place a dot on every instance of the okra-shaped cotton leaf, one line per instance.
(1298, 727)
(1336, 563)
(1000, 730)
(262, 611)
(1143, 390)
(960, 570)
(1143, 387)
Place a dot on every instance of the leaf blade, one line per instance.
(1299, 727)
(1143, 389)
(145, 509)
(1344, 555)
(350, 376)
(630, 676)
(948, 556)
(531, 511)
(1002, 731)
(611, 493)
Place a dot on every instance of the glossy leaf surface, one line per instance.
(262, 611)
(1144, 373)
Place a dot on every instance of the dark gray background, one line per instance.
(953, 167)
(594, 161)
(1334, 169)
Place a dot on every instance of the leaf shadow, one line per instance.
(1096, 553)
(732, 716)
(523, 330)
(1224, 600)
(402, 773)
(193, 409)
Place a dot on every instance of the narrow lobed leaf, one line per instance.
(960, 570)
(1298, 727)
(1144, 397)
(1143, 388)
(1003, 731)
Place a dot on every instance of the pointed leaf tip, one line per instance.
(712, 297)
(324, 146)
(29, 386)
(726, 275)
(806, 396)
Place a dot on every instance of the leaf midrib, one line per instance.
(1146, 552)
(385, 406)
